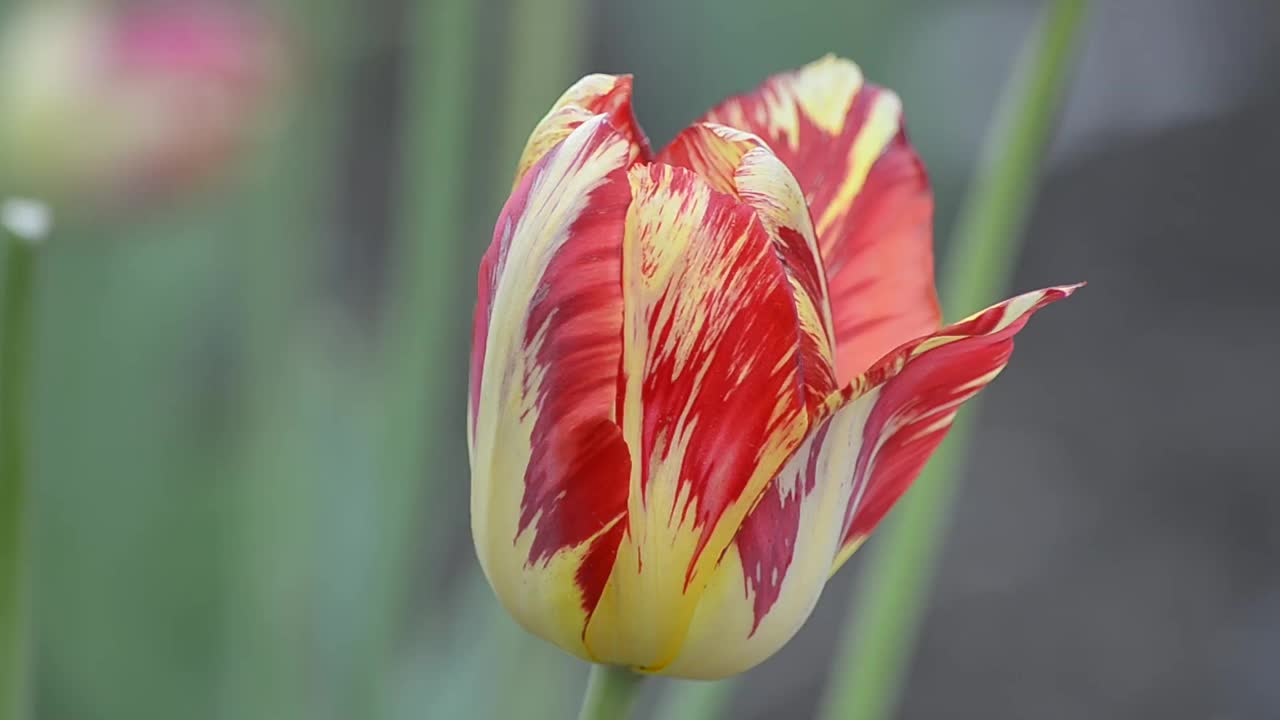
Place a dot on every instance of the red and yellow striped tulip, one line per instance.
(700, 378)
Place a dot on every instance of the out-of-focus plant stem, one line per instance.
(423, 306)
(611, 693)
(421, 359)
(868, 676)
(545, 54)
(695, 700)
(283, 225)
(17, 300)
(984, 248)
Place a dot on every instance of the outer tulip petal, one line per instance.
(919, 388)
(839, 484)
(592, 95)
(770, 577)
(869, 195)
(712, 402)
(741, 164)
(549, 463)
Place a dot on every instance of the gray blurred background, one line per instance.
(217, 536)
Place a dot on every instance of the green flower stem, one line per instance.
(984, 248)
(611, 693)
(278, 229)
(420, 352)
(16, 310)
(869, 673)
(695, 700)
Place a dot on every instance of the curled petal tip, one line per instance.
(595, 94)
(855, 462)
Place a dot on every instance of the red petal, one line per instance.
(918, 389)
(544, 372)
(869, 196)
(712, 401)
(740, 164)
(855, 461)
(593, 95)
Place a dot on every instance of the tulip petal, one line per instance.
(869, 195)
(712, 402)
(839, 484)
(770, 577)
(919, 388)
(550, 466)
(593, 95)
(741, 164)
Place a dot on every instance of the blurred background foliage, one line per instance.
(251, 474)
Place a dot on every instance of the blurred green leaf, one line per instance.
(126, 495)
(420, 358)
(283, 239)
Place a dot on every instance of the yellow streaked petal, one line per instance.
(741, 164)
(829, 496)
(543, 437)
(711, 406)
(844, 140)
(921, 386)
(772, 575)
(593, 95)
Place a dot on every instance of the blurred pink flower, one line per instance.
(136, 102)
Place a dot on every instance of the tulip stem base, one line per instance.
(611, 693)
(16, 301)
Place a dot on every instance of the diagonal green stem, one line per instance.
(611, 693)
(869, 673)
(16, 311)
(984, 248)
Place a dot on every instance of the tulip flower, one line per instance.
(110, 105)
(701, 377)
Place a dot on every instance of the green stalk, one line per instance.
(17, 298)
(984, 249)
(420, 354)
(280, 226)
(695, 700)
(611, 693)
(868, 676)
(420, 351)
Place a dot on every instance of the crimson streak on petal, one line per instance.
(897, 413)
(575, 484)
(844, 141)
(924, 383)
(767, 539)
